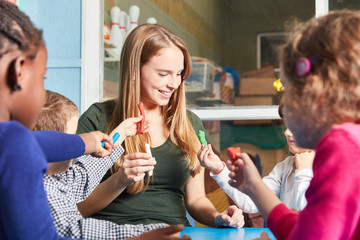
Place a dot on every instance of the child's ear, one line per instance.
(15, 73)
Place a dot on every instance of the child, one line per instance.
(67, 186)
(289, 179)
(320, 70)
(24, 211)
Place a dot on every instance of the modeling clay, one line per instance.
(202, 139)
(115, 138)
(142, 123)
(232, 151)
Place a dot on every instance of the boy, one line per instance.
(66, 186)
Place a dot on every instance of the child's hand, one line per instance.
(244, 174)
(167, 233)
(93, 144)
(208, 159)
(263, 236)
(304, 160)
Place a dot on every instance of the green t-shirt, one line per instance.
(163, 200)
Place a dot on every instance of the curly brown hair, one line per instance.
(330, 93)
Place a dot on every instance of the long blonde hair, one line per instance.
(142, 44)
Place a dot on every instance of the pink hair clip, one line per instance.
(303, 65)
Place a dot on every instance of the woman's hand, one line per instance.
(93, 142)
(208, 159)
(167, 233)
(263, 236)
(134, 167)
(231, 217)
(244, 174)
(304, 160)
(128, 127)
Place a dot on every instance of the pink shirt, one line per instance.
(333, 209)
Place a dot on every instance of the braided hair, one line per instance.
(17, 31)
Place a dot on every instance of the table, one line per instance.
(237, 113)
(207, 233)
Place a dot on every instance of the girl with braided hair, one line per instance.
(24, 211)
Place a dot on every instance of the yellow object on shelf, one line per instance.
(278, 85)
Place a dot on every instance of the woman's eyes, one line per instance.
(166, 74)
(163, 74)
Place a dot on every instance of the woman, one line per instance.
(153, 67)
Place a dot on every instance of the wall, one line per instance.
(224, 31)
(248, 17)
(60, 21)
(196, 22)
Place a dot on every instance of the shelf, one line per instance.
(108, 44)
(109, 49)
(113, 57)
(237, 113)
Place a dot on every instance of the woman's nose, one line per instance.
(174, 82)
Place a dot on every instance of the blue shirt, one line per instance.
(24, 210)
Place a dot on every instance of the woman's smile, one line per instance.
(166, 94)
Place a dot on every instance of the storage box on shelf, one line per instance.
(253, 100)
(201, 81)
(258, 82)
(256, 88)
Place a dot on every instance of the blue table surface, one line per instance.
(207, 233)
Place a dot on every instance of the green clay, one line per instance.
(202, 139)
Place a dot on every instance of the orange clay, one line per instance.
(232, 151)
(142, 123)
